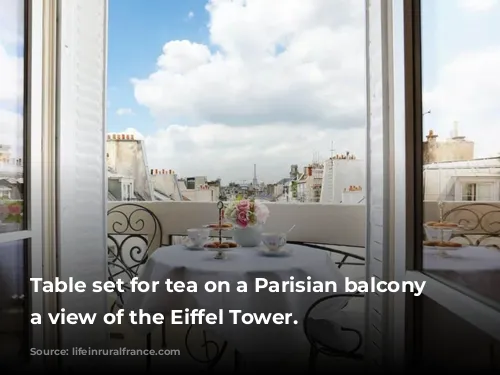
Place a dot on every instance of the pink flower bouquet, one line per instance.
(11, 211)
(246, 213)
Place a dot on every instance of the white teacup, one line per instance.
(274, 241)
(198, 236)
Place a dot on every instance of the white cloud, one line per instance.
(11, 21)
(190, 15)
(11, 77)
(11, 125)
(478, 5)
(467, 91)
(230, 152)
(124, 112)
(286, 76)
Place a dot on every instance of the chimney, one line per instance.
(431, 136)
(455, 134)
(309, 171)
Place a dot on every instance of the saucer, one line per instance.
(283, 252)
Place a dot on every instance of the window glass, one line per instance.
(13, 301)
(461, 153)
(12, 139)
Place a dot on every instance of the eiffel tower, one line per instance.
(255, 183)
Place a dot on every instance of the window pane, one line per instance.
(484, 192)
(11, 115)
(461, 117)
(13, 302)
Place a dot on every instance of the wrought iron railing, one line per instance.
(480, 223)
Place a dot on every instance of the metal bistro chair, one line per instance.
(359, 260)
(345, 255)
(134, 233)
(339, 336)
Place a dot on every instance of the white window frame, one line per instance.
(129, 191)
(39, 201)
(53, 251)
(404, 253)
(462, 182)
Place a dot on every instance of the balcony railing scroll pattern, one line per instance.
(134, 233)
(480, 223)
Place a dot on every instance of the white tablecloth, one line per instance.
(470, 258)
(476, 268)
(243, 264)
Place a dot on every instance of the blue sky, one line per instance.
(137, 33)
(448, 31)
(138, 29)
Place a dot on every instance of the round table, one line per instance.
(242, 264)
(474, 267)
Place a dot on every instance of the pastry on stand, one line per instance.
(220, 246)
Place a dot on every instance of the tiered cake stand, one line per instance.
(220, 247)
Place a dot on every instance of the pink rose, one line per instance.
(242, 219)
(243, 205)
(15, 210)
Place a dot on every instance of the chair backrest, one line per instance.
(134, 233)
(480, 222)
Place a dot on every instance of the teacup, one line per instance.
(274, 241)
(198, 236)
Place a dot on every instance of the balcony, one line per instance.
(341, 227)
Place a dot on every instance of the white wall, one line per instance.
(347, 173)
(165, 184)
(209, 195)
(128, 158)
(339, 175)
(446, 183)
(353, 197)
